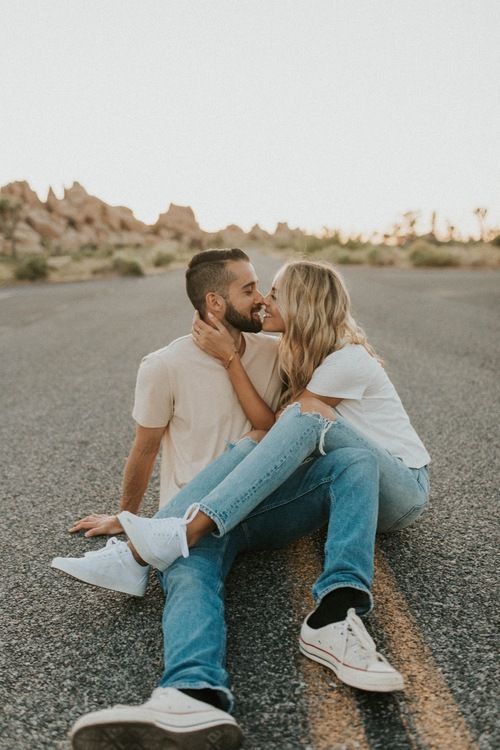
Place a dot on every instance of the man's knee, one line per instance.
(363, 459)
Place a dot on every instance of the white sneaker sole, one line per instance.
(136, 531)
(377, 682)
(142, 732)
(93, 579)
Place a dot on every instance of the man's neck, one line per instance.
(238, 338)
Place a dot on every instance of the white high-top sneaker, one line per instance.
(169, 719)
(112, 567)
(347, 649)
(159, 541)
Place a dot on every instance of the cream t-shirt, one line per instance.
(189, 391)
(369, 403)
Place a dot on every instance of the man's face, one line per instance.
(243, 299)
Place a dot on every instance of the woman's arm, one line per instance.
(216, 340)
(257, 411)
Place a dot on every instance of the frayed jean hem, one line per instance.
(221, 529)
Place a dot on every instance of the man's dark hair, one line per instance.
(207, 272)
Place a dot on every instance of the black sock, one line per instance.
(207, 695)
(335, 605)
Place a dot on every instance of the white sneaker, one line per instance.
(159, 541)
(169, 719)
(347, 649)
(112, 567)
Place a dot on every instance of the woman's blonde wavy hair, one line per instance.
(316, 308)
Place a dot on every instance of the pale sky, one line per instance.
(343, 113)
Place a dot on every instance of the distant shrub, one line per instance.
(335, 254)
(496, 241)
(217, 240)
(105, 251)
(282, 244)
(354, 243)
(102, 269)
(88, 250)
(313, 244)
(347, 258)
(163, 259)
(423, 254)
(32, 269)
(195, 243)
(381, 256)
(127, 267)
(94, 251)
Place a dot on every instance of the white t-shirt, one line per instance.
(369, 403)
(190, 391)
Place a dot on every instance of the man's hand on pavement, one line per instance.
(98, 524)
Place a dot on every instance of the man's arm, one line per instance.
(136, 477)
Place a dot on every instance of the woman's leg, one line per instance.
(209, 477)
(297, 433)
(303, 428)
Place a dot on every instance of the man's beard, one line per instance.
(238, 321)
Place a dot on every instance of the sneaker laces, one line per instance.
(180, 530)
(361, 638)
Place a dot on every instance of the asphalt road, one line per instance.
(68, 359)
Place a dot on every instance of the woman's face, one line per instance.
(272, 321)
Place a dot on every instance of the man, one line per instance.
(186, 404)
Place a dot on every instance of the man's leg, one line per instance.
(194, 628)
(190, 707)
(339, 489)
(195, 632)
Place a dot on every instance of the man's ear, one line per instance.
(215, 304)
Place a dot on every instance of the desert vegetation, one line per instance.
(80, 237)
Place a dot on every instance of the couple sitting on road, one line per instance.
(340, 452)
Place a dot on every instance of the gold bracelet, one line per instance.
(233, 355)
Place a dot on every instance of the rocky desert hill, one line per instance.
(80, 236)
(78, 219)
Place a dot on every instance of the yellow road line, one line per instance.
(335, 721)
(433, 713)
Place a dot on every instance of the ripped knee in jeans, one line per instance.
(309, 405)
